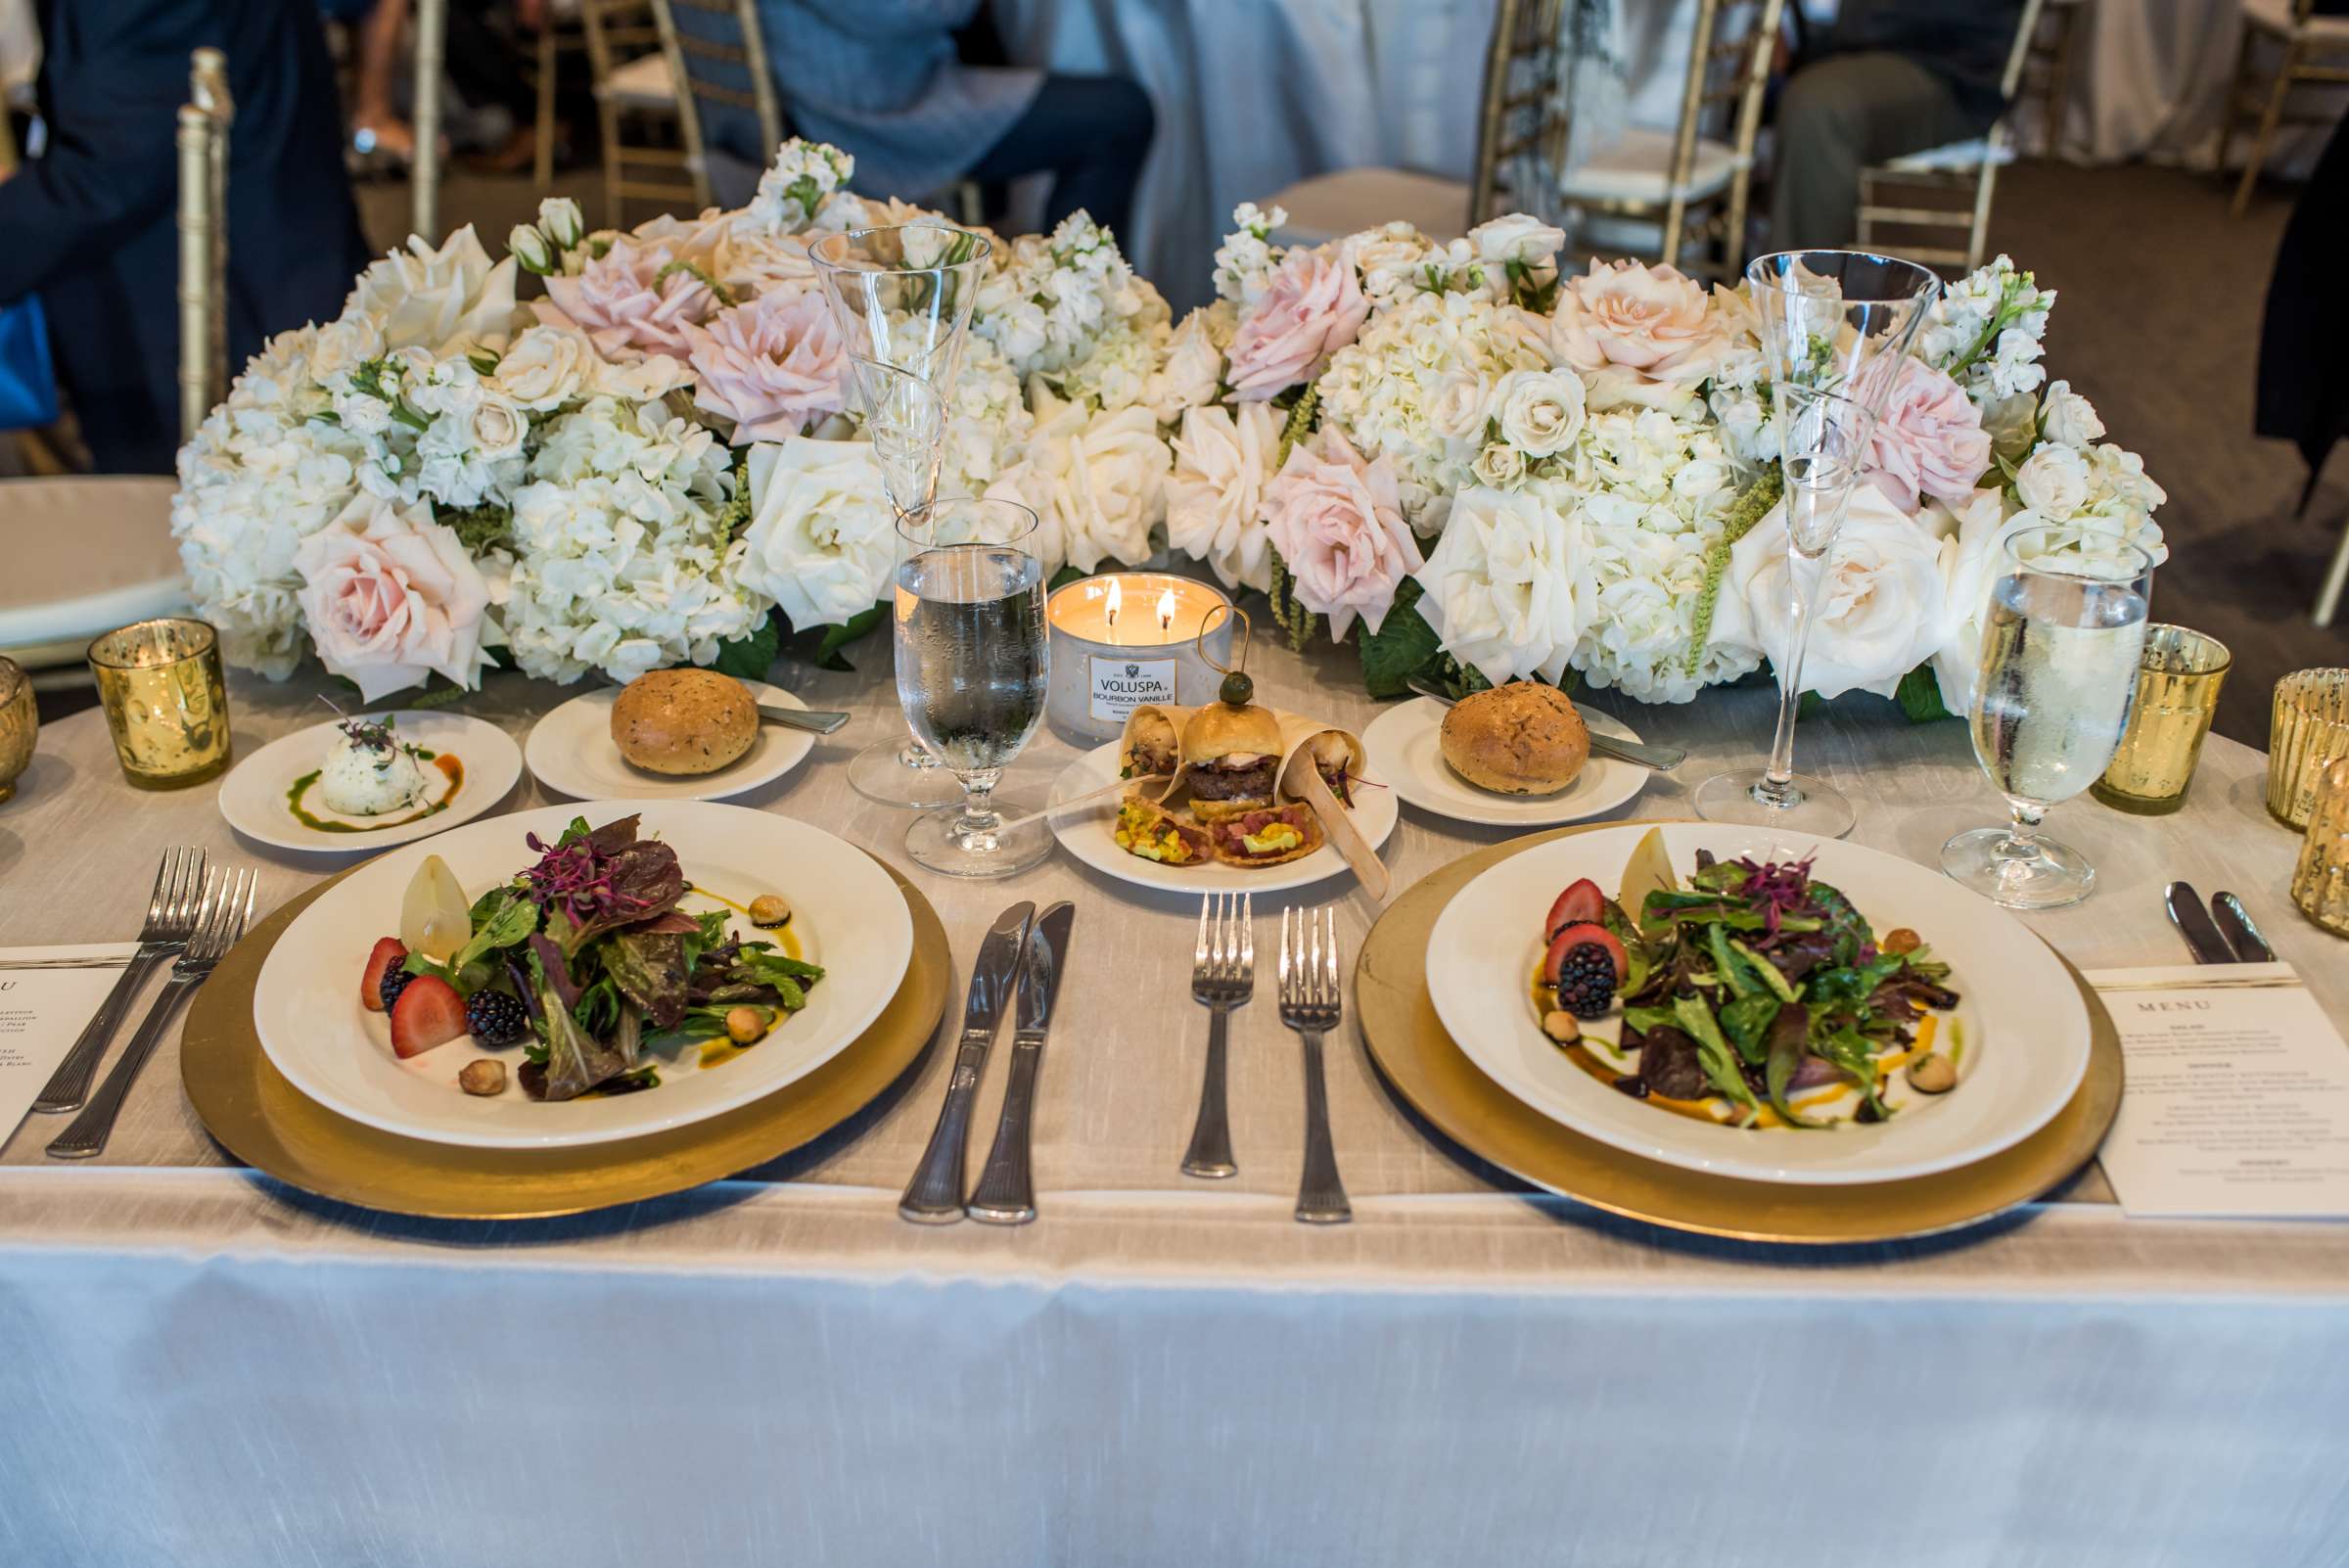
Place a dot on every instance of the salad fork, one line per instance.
(170, 919)
(1223, 976)
(227, 908)
(1309, 1003)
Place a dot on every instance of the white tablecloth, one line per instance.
(2150, 80)
(200, 1368)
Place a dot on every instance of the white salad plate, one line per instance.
(571, 752)
(1405, 746)
(257, 796)
(2024, 1026)
(1085, 834)
(848, 915)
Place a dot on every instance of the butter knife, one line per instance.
(934, 1197)
(2194, 923)
(2235, 923)
(1660, 758)
(820, 720)
(1006, 1193)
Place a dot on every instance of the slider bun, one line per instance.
(1522, 738)
(683, 721)
(1219, 729)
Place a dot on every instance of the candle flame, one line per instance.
(1165, 610)
(1115, 598)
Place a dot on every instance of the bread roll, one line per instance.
(1522, 738)
(683, 721)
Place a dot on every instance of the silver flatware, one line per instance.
(2234, 924)
(220, 924)
(170, 921)
(1309, 1004)
(818, 720)
(1660, 758)
(1007, 1190)
(1223, 976)
(934, 1196)
(2194, 923)
(17, 966)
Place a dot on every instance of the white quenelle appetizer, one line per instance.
(370, 771)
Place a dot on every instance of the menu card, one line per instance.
(2236, 1101)
(42, 1013)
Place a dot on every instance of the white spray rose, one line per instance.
(1541, 411)
(2054, 481)
(2070, 418)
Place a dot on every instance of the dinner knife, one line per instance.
(2194, 923)
(820, 720)
(1660, 758)
(934, 1197)
(2235, 923)
(1006, 1193)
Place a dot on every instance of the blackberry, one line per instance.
(496, 1019)
(395, 980)
(1586, 980)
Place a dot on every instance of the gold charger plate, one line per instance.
(1420, 1063)
(261, 1119)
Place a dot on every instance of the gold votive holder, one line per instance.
(2178, 686)
(2311, 729)
(2321, 881)
(20, 722)
(166, 702)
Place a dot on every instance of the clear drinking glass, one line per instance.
(2063, 636)
(902, 298)
(1835, 326)
(974, 668)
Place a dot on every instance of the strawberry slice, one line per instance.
(388, 953)
(1565, 942)
(1580, 903)
(429, 1013)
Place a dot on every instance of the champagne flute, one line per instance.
(902, 298)
(2062, 634)
(973, 670)
(1835, 328)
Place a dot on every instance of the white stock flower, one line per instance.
(1245, 262)
(439, 300)
(1541, 411)
(1500, 585)
(796, 186)
(1223, 459)
(822, 539)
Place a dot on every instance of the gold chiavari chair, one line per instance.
(2047, 68)
(1691, 186)
(719, 61)
(1955, 182)
(2316, 50)
(636, 95)
(424, 174)
(203, 129)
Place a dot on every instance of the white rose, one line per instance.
(1462, 408)
(1500, 585)
(1498, 466)
(1517, 237)
(2054, 481)
(1215, 497)
(498, 428)
(1880, 610)
(440, 299)
(2071, 419)
(822, 539)
(547, 366)
(560, 220)
(1099, 483)
(1967, 556)
(1540, 410)
(1192, 368)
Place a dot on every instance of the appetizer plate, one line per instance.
(1405, 746)
(2025, 1027)
(257, 798)
(571, 752)
(848, 915)
(1085, 834)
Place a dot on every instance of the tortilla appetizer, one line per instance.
(1337, 755)
(1152, 745)
(1266, 837)
(1157, 834)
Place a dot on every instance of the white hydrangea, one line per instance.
(1246, 259)
(796, 187)
(1119, 372)
(621, 563)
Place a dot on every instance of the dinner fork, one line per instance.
(1309, 1004)
(227, 908)
(1223, 976)
(170, 918)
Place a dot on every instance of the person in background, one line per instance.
(90, 223)
(880, 79)
(1888, 77)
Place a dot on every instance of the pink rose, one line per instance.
(1337, 522)
(1642, 335)
(1310, 309)
(1930, 440)
(389, 595)
(623, 301)
(770, 366)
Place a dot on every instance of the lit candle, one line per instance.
(1106, 663)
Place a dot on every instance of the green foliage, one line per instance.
(750, 658)
(480, 529)
(1404, 645)
(1302, 415)
(1746, 511)
(828, 654)
(1920, 696)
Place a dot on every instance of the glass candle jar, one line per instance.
(160, 682)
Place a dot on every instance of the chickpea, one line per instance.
(769, 911)
(745, 1025)
(482, 1078)
(1901, 941)
(1559, 1025)
(1933, 1074)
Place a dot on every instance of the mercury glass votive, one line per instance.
(2321, 881)
(160, 683)
(2310, 729)
(1124, 639)
(2177, 680)
(20, 722)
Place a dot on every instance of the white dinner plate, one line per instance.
(2025, 1027)
(1405, 746)
(569, 751)
(1085, 834)
(257, 795)
(847, 916)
